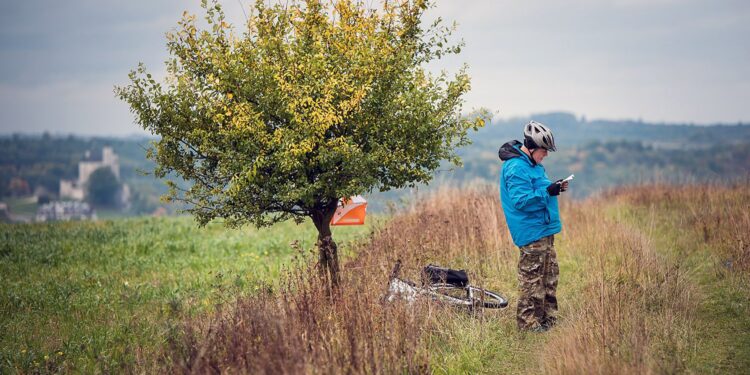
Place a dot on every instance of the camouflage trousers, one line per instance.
(537, 277)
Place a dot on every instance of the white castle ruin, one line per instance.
(77, 189)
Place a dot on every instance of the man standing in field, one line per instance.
(529, 201)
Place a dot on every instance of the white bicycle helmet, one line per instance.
(538, 135)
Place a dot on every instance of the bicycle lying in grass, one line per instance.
(444, 285)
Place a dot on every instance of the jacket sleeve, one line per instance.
(522, 194)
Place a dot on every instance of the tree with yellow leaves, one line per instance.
(315, 101)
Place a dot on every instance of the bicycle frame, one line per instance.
(409, 291)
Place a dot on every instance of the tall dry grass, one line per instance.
(720, 214)
(630, 308)
(640, 311)
(636, 311)
(300, 328)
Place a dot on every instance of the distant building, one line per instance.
(91, 162)
(71, 210)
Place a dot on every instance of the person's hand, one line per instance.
(557, 187)
(554, 188)
(563, 185)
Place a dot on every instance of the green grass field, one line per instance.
(83, 296)
(22, 207)
(653, 280)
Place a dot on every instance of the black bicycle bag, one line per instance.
(436, 275)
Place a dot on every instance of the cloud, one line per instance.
(657, 59)
(65, 107)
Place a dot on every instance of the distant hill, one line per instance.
(608, 153)
(605, 153)
(570, 130)
(602, 153)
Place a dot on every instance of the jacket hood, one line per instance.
(509, 150)
(512, 150)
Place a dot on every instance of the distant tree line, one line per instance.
(31, 162)
(601, 154)
(602, 164)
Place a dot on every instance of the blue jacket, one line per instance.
(531, 213)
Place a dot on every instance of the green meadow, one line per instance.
(93, 296)
(653, 280)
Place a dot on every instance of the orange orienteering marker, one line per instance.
(351, 211)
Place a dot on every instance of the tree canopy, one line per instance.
(314, 101)
(102, 187)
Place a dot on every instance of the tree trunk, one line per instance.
(328, 257)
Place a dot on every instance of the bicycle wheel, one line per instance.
(486, 298)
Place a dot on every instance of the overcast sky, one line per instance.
(657, 60)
